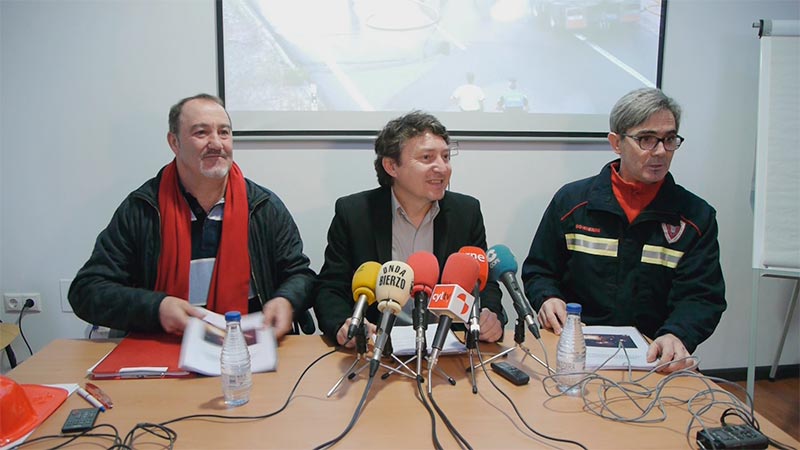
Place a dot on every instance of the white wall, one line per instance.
(86, 87)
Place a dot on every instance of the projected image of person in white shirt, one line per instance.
(469, 96)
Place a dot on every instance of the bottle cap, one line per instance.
(573, 308)
(233, 316)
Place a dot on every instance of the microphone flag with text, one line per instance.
(503, 268)
(451, 300)
(479, 255)
(363, 285)
(393, 289)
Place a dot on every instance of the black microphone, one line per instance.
(503, 268)
(395, 280)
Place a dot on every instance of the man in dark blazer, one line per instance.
(411, 211)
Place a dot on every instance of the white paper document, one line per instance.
(202, 344)
(603, 341)
(404, 341)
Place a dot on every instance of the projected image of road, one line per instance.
(500, 56)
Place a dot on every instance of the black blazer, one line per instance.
(361, 231)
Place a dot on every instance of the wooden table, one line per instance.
(392, 418)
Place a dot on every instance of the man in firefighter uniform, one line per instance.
(630, 245)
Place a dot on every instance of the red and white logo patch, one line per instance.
(673, 232)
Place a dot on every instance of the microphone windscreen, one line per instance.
(461, 269)
(480, 257)
(501, 260)
(395, 280)
(426, 271)
(364, 281)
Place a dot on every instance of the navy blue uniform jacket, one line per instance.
(660, 273)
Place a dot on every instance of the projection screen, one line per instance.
(498, 68)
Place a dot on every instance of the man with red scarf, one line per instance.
(198, 234)
(629, 244)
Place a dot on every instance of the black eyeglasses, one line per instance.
(650, 142)
(453, 147)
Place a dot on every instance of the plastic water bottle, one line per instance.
(235, 363)
(571, 353)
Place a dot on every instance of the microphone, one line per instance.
(451, 300)
(503, 268)
(426, 274)
(364, 281)
(479, 255)
(393, 288)
(483, 274)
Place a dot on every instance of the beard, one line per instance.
(221, 167)
(217, 172)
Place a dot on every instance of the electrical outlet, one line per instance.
(14, 302)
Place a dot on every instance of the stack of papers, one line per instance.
(404, 341)
(604, 341)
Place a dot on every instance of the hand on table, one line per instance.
(668, 348)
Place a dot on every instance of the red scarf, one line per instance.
(633, 196)
(229, 287)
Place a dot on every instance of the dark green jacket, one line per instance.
(115, 286)
(361, 231)
(660, 273)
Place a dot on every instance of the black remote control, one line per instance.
(511, 373)
(732, 437)
(81, 419)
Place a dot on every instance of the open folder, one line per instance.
(142, 356)
(198, 351)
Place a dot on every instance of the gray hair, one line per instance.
(393, 136)
(635, 107)
(175, 111)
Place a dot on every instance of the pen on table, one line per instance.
(93, 401)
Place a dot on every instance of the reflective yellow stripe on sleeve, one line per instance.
(592, 245)
(662, 256)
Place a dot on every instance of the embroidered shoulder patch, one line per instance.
(673, 232)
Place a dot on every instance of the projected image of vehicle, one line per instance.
(579, 14)
(561, 15)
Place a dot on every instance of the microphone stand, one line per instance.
(519, 339)
(473, 336)
(420, 326)
(361, 350)
(420, 322)
(384, 332)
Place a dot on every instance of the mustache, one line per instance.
(220, 152)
